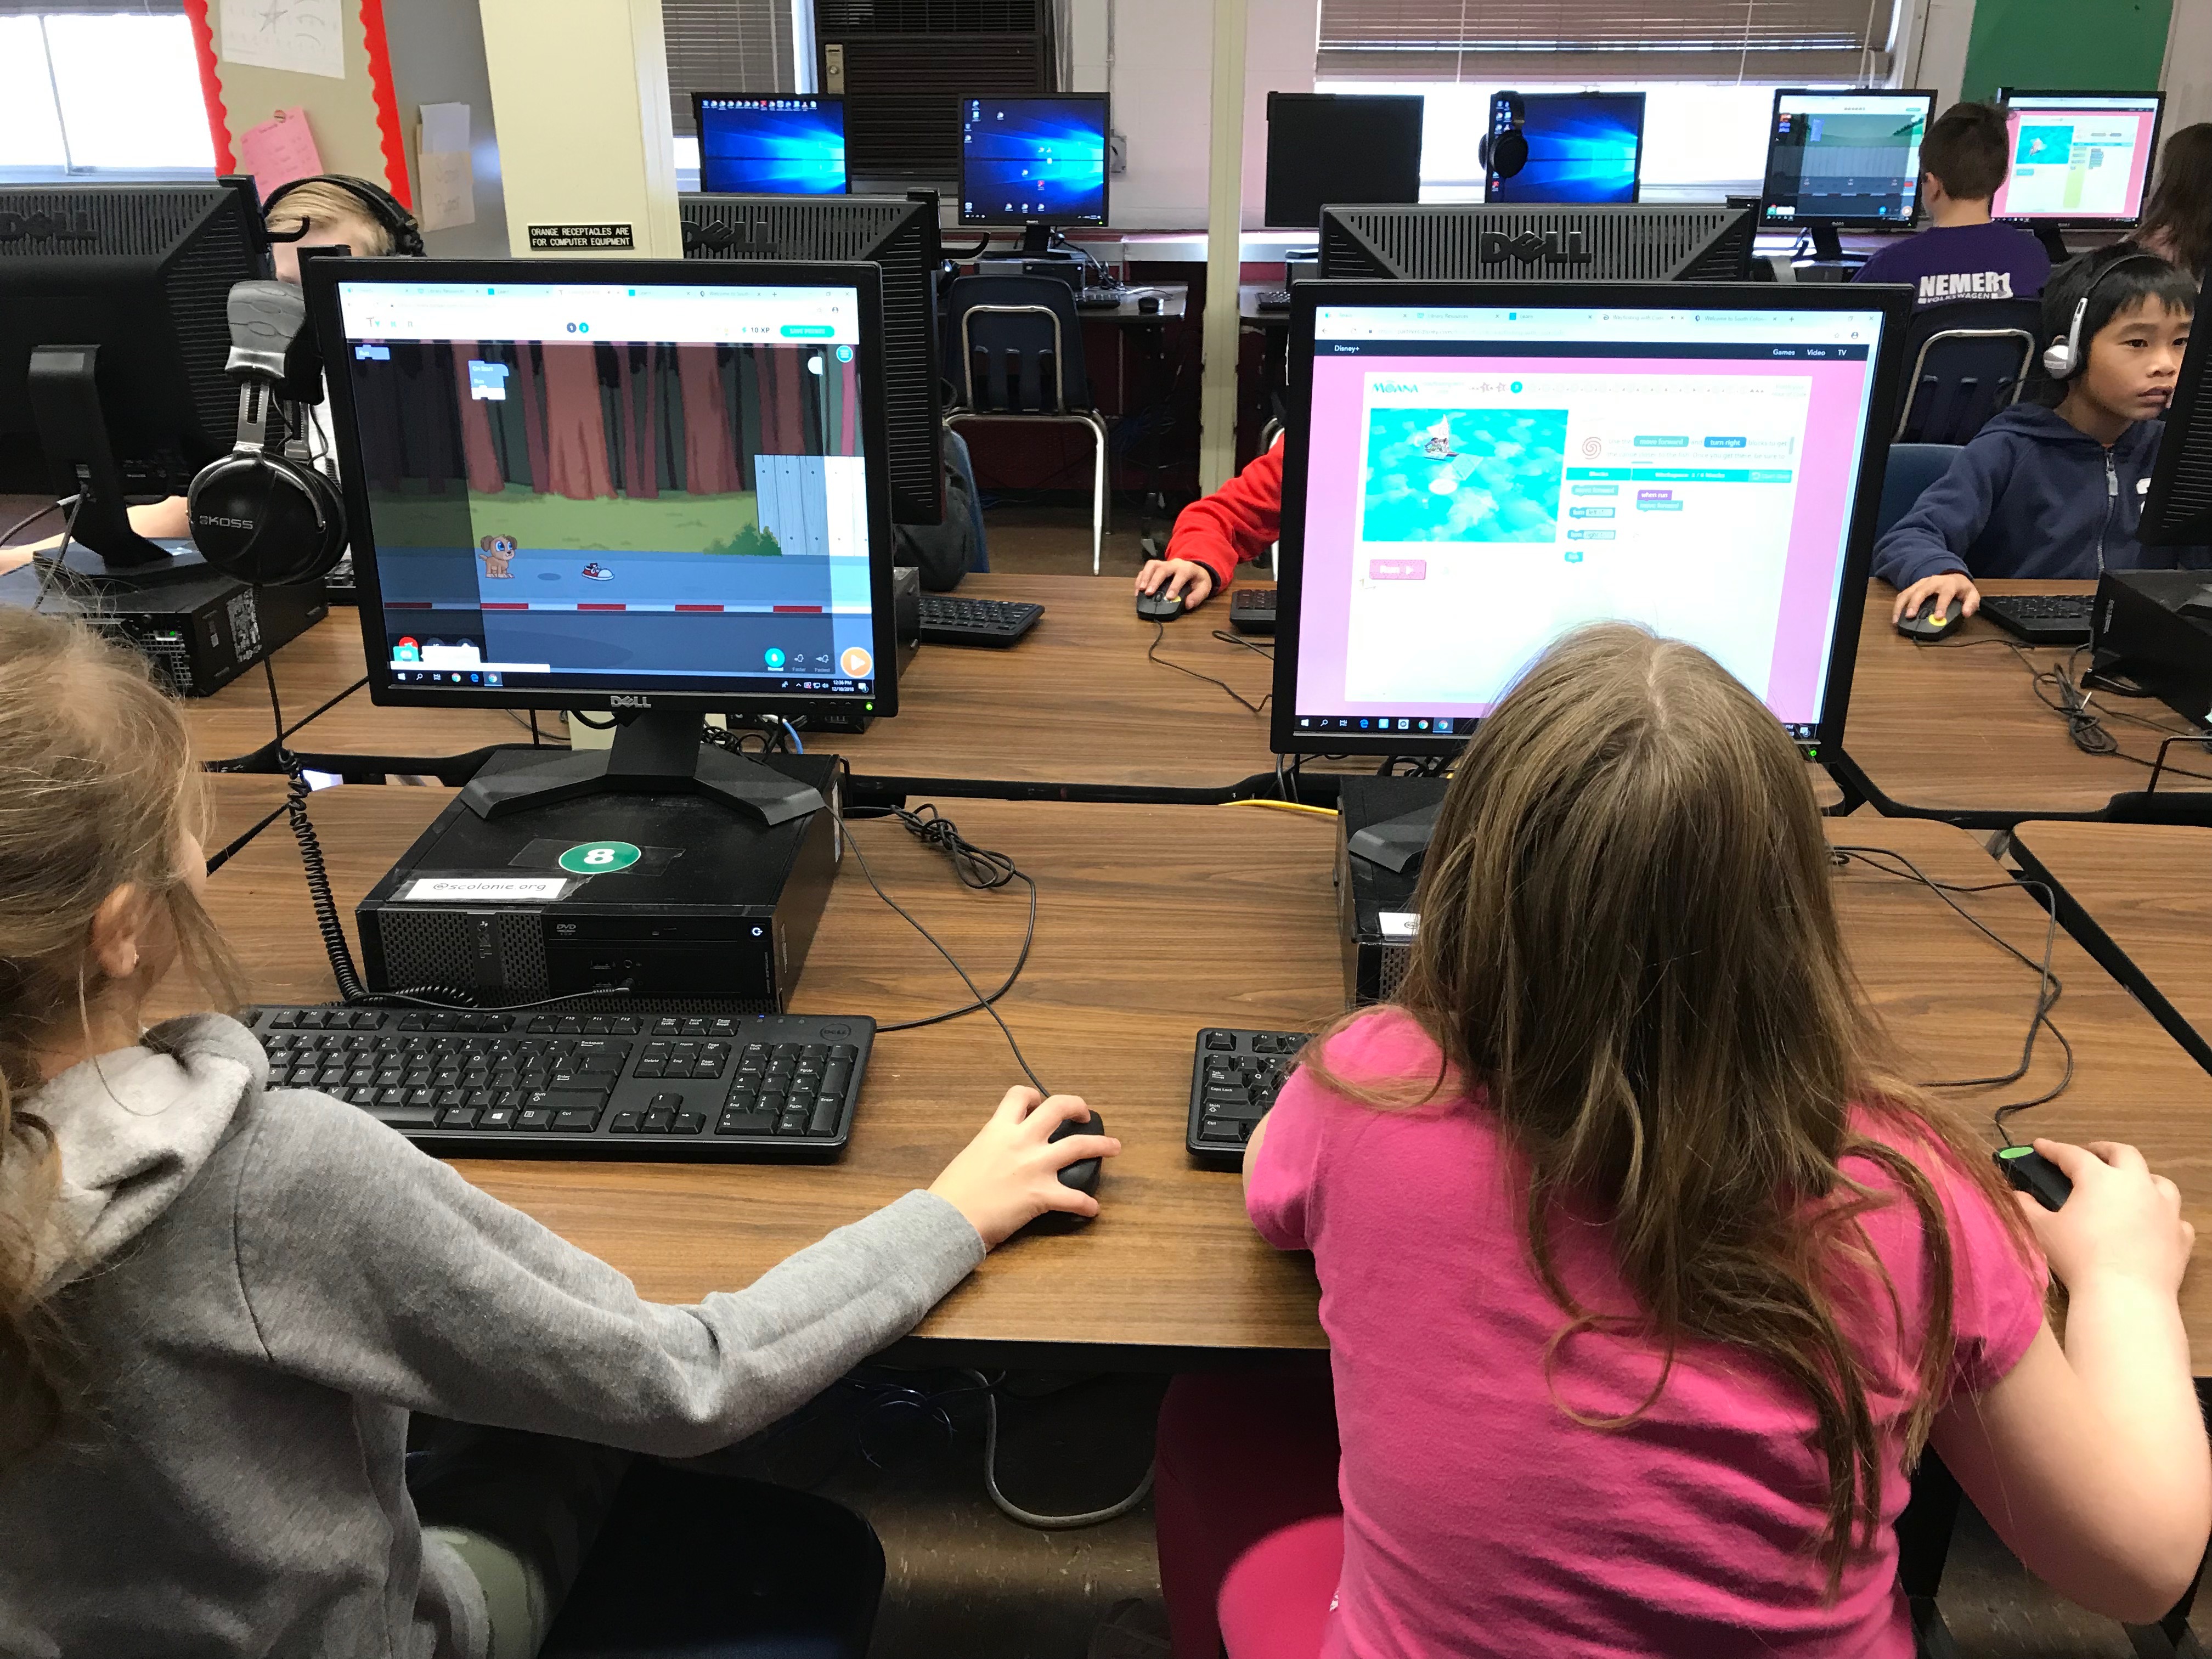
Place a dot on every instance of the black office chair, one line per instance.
(1966, 360)
(1912, 469)
(1014, 345)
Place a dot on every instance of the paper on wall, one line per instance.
(279, 150)
(445, 130)
(306, 36)
(447, 197)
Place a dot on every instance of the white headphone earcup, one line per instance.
(2059, 360)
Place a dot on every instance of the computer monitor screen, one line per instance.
(1474, 468)
(1846, 158)
(2178, 510)
(1325, 146)
(1033, 158)
(1583, 146)
(592, 486)
(2078, 158)
(771, 146)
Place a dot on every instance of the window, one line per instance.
(758, 46)
(109, 94)
(1502, 43)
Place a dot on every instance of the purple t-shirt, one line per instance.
(1964, 262)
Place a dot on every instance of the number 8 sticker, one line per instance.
(600, 858)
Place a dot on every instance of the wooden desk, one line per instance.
(1074, 701)
(2139, 897)
(1955, 731)
(1133, 952)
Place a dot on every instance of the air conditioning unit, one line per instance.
(904, 65)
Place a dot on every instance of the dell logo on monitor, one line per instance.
(1528, 248)
(630, 703)
(57, 226)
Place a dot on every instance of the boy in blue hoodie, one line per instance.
(2053, 486)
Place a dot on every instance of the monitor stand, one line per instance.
(2054, 243)
(1828, 243)
(72, 428)
(654, 753)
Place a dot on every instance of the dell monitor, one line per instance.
(1480, 240)
(899, 233)
(791, 146)
(113, 337)
(2080, 160)
(1339, 147)
(644, 486)
(2177, 510)
(1472, 470)
(1037, 159)
(1563, 147)
(1843, 159)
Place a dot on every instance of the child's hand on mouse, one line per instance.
(1009, 1175)
(1187, 578)
(1934, 594)
(2121, 1221)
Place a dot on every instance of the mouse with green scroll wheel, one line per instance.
(2036, 1175)
(1933, 622)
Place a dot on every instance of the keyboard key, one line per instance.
(458, 1117)
(533, 1117)
(746, 1123)
(407, 1117)
(824, 1121)
(579, 1122)
(1219, 1039)
(691, 1123)
(625, 1123)
(658, 1123)
(497, 1118)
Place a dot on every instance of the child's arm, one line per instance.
(1213, 536)
(2091, 1460)
(164, 519)
(374, 1270)
(1924, 555)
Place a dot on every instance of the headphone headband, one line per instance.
(379, 203)
(2063, 359)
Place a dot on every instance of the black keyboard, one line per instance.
(2041, 618)
(1272, 299)
(677, 1088)
(1252, 610)
(1234, 1079)
(947, 619)
(1101, 299)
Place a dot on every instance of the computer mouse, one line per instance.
(1933, 624)
(1159, 607)
(2032, 1173)
(1148, 304)
(1083, 1174)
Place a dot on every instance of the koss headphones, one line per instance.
(263, 518)
(2063, 359)
(1506, 153)
(378, 203)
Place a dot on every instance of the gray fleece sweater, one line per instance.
(265, 1284)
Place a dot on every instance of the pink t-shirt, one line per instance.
(1479, 1517)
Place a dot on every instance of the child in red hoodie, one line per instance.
(1213, 536)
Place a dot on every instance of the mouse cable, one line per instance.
(1152, 655)
(32, 517)
(1014, 1511)
(2068, 695)
(1226, 637)
(978, 868)
(2050, 987)
(980, 1001)
(54, 560)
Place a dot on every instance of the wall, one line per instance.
(354, 125)
(2100, 45)
(2189, 64)
(437, 53)
(1937, 60)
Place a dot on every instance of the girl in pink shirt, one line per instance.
(1646, 1275)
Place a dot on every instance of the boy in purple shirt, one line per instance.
(1963, 256)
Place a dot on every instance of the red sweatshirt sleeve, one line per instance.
(1234, 525)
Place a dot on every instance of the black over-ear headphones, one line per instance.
(270, 519)
(1506, 153)
(376, 202)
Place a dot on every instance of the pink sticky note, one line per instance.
(279, 150)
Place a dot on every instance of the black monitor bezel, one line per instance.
(699, 132)
(1894, 301)
(1554, 95)
(322, 278)
(2085, 221)
(2189, 416)
(1319, 100)
(1858, 221)
(1001, 221)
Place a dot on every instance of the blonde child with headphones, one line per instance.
(2053, 486)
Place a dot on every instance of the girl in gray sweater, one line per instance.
(219, 1303)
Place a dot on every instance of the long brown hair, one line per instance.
(97, 791)
(2177, 218)
(1627, 939)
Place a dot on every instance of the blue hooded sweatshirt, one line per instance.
(2030, 496)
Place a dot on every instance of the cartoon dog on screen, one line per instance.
(497, 553)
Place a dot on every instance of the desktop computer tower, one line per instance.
(2155, 628)
(1374, 904)
(200, 631)
(694, 899)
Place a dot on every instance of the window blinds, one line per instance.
(1504, 42)
(724, 45)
